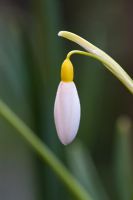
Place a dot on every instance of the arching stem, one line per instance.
(100, 55)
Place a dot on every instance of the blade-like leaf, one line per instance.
(82, 166)
(123, 165)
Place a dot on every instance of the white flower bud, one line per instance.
(67, 112)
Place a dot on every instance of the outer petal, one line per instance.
(67, 112)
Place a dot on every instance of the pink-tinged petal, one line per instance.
(67, 112)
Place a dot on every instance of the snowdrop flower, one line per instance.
(67, 105)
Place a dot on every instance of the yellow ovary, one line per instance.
(67, 71)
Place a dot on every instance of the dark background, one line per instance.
(31, 54)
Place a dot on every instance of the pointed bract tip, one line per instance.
(60, 33)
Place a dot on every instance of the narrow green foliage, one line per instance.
(123, 156)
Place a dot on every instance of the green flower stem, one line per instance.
(100, 55)
(44, 152)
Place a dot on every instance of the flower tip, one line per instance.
(65, 143)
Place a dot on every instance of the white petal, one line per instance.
(67, 112)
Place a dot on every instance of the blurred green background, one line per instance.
(30, 58)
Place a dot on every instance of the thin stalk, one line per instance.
(100, 55)
(45, 153)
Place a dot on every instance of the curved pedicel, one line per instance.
(97, 53)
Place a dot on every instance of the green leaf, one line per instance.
(123, 163)
(82, 165)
